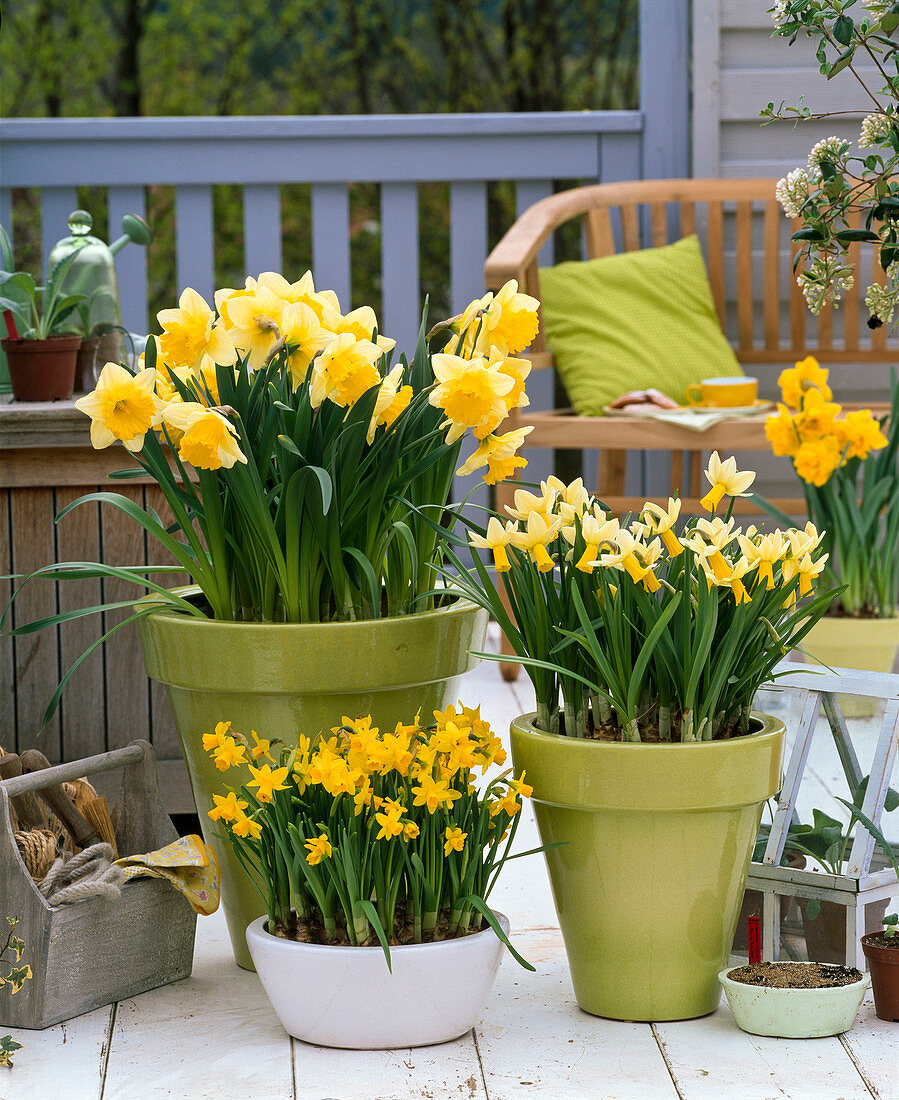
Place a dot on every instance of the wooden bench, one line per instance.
(748, 251)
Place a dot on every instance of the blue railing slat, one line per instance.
(468, 242)
(193, 224)
(331, 240)
(131, 262)
(399, 263)
(262, 228)
(56, 205)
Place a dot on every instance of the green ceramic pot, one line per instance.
(287, 679)
(657, 842)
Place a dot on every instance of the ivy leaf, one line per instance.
(8, 1047)
(17, 977)
(17, 945)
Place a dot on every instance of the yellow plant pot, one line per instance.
(656, 842)
(843, 642)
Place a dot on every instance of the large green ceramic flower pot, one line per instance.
(656, 842)
(843, 642)
(287, 679)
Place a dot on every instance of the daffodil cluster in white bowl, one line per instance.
(306, 475)
(656, 629)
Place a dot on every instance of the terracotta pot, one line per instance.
(883, 962)
(42, 370)
(648, 829)
(752, 906)
(825, 935)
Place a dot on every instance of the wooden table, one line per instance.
(214, 1034)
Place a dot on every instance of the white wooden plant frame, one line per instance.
(815, 687)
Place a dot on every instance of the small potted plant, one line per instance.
(646, 642)
(40, 355)
(882, 952)
(848, 465)
(794, 1000)
(375, 852)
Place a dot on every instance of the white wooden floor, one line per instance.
(213, 1036)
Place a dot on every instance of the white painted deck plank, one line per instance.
(61, 1061)
(874, 1046)
(447, 1070)
(711, 1058)
(209, 1036)
(535, 1041)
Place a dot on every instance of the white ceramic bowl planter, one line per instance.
(346, 996)
(793, 1013)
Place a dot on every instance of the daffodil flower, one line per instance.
(267, 780)
(470, 392)
(227, 808)
(498, 454)
(526, 502)
(454, 840)
(535, 538)
(724, 480)
(207, 441)
(318, 849)
(246, 827)
(661, 522)
(124, 406)
(192, 331)
(511, 319)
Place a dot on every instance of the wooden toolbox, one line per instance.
(99, 950)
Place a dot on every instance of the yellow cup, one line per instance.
(723, 393)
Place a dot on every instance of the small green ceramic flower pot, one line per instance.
(656, 842)
(287, 679)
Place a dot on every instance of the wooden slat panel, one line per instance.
(851, 303)
(162, 725)
(262, 228)
(825, 329)
(798, 315)
(331, 239)
(468, 242)
(24, 467)
(610, 473)
(744, 274)
(399, 262)
(716, 257)
(127, 691)
(771, 303)
(598, 233)
(7, 656)
(193, 219)
(131, 262)
(83, 711)
(659, 220)
(878, 335)
(630, 227)
(687, 219)
(36, 655)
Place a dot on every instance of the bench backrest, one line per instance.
(746, 242)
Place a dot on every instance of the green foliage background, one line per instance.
(307, 57)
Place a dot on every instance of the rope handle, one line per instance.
(65, 773)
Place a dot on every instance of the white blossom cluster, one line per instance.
(779, 11)
(829, 149)
(882, 300)
(879, 8)
(824, 281)
(874, 130)
(792, 191)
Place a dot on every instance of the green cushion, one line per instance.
(633, 321)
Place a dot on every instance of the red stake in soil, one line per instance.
(754, 939)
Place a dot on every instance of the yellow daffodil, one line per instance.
(228, 753)
(470, 392)
(817, 417)
(389, 820)
(267, 780)
(246, 827)
(763, 553)
(324, 303)
(303, 336)
(525, 502)
(410, 831)
(804, 541)
(511, 319)
(860, 433)
(454, 840)
(661, 521)
(255, 324)
(498, 454)
(227, 808)
(801, 378)
(522, 789)
(816, 460)
(318, 849)
(390, 402)
(212, 740)
(344, 371)
(782, 433)
(192, 331)
(433, 794)
(707, 541)
(724, 480)
(517, 370)
(596, 533)
(260, 747)
(207, 441)
(626, 556)
(362, 323)
(123, 406)
(535, 539)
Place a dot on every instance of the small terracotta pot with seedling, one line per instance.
(882, 952)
